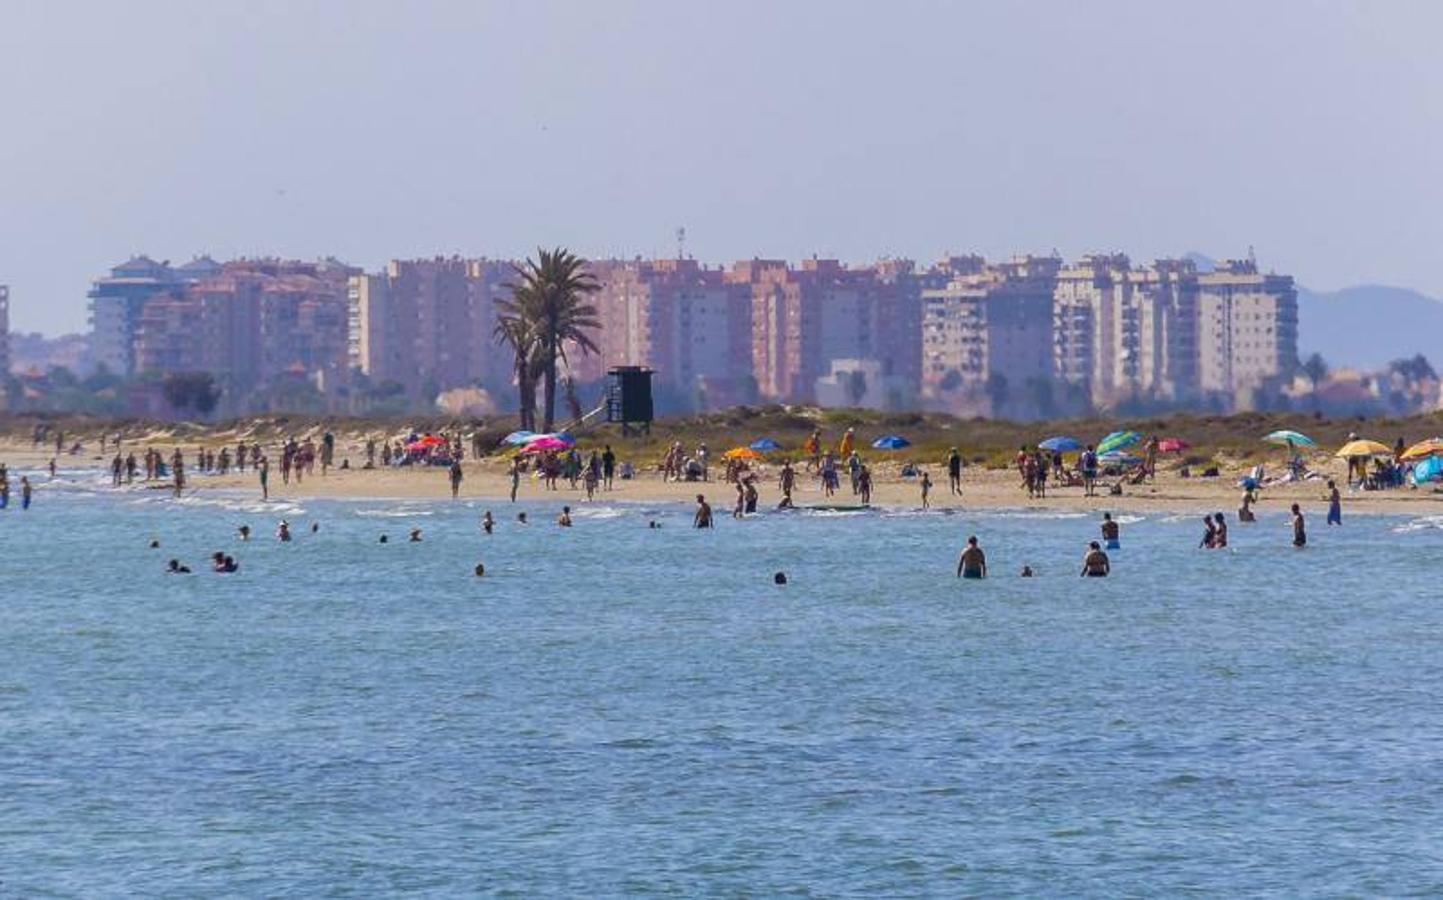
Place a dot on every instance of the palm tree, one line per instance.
(515, 329)
(550, 294)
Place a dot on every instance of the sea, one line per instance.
(621, 710)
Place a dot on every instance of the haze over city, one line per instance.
(847, 130)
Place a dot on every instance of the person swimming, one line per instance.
(972, 562)
(177, 568)
(487, 523)
(384, 540)
(1111, 532)
(283, 531)
(1095, 563)
(779, 578)
(564, 520)
(521, 518)
(415, 535)
(480, 569)
(245, 532)
(1025, 573)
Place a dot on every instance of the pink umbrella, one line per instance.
(543, 444)
(1172, 445)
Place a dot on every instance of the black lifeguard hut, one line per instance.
(628, 398)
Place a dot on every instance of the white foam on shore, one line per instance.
(1423, 523)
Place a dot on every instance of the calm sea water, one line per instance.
(620, 710)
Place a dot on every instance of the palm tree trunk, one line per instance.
(525, 393)
(549, 374)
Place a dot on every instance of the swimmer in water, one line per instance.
(972, 563)
(315, 527)
(1111, 532)
(245, 532)
(231, 565)
(154, 544)
(176, 568)
(415, 535)
(384, 539)
(1220, 532)
(702, 519)
(1025, 573)
(564, 520)
(283, 531)
(217, 561)
(521, 518)
(779, 578)
(480, 570)
(1095, 564)
(487, 523)
(1300, 530)
(653, 524)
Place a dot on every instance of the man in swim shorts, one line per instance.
(1111, 532)
(1095, 564)
(973, 562)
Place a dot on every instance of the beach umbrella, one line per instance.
(544, 443)
(1422, 449)
(1060, 445)
(765, 445)
(1172, 445)
(519, 437)
(1117, 440)
(1363, 448)
(1118, 458)
(891, 442)
(742, 453)
(1289, 437)
(1428, 470)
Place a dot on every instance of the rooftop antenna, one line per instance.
(681, 242)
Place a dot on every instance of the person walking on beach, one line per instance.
(864, 485)
(786, 479)
(954, 471)
(702, 519)
(1088, 464)
(455, 475)
(608, 466)
(1111, 532)
(926, 485)
(972, 563)
(1335, 504)
(1300, 529)
(1095, 563)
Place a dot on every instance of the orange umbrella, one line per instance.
(1423, 449)
(742, 453)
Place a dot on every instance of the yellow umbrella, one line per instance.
(742, 453)
(1422, 449)
(1363, 448)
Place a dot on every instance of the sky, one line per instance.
(365, 130)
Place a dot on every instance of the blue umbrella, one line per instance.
(765, 444)
(1117, 440)
(1428, 469)
(518, 437)
(1289, 437)
(1061, 445)
(891, 442)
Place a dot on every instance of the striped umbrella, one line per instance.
(1117, 441)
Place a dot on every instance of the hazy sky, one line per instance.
(368, 130)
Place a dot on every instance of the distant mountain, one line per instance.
(1369, 325)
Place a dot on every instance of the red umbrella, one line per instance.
(1172, 445)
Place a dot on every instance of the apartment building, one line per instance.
(429, 324)
(4, 333)
(248, 322)
(804, 318)
(989, 328)
(117, 302)
(1247, 331)
(688, 322)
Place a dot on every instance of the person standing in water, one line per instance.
(487, 523)
(25, 491)
(456, 476)
(972, 563)
(515, 473)
(1300, 529)
(1095, 563)
(564, 520)
(954, 471)
(926, 485)
(1335, 504)
(787, 480)
(1209, 535)
(1245, 512)
(702, 519)
(264, 470)
(1220, 532)
(1111, 532)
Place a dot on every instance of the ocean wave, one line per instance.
(1423, 523)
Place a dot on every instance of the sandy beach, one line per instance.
(982, 488)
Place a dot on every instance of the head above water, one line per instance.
(779, 578)
(972, 541)
(1094, 545)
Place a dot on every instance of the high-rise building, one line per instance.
(988, 333)
(686, 321)
(1247, 331)
(428, 324)
(4, 331)
(802, 319)
(116, 305)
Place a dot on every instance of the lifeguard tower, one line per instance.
(628, 398)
